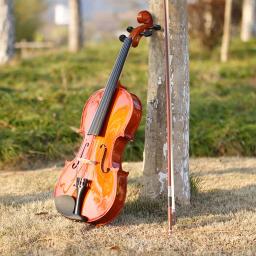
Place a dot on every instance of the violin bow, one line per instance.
(170, 164)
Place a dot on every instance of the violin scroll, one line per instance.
(109, 120)
(146, 29)
(145, 17)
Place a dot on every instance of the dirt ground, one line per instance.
(220, 221)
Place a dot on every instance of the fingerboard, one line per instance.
(101, 113)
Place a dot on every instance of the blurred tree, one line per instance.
(75, 26)
(248, 28)
(7, 35)
(28, 18)
(206, 18)
(155, 162)
(236, 13)
(131, 4)
(226, 31)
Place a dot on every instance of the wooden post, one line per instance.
(155, 164)
(226, 31)
(75, 26)
(7, 31)
(248, 28)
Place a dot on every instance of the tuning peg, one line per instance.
(156, 27)
(148, 33)
(122, 38)
(129, 29)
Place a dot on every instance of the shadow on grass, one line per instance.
(227, 171)
(224, 201)
(143, 210)
(217, 205)
(242, 54)
(7, 90)
(17, 200)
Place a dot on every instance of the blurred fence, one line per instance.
(31, 48)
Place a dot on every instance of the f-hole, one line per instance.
(75, 164)
(102, 146)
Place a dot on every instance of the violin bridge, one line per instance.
(87, 161)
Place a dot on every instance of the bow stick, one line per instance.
(170, 165)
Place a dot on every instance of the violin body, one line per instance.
(107, 192)
(92, 187)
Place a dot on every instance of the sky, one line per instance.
(90, 8)
(100, 17)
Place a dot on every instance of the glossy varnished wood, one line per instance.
(107, 191)
(110, 119)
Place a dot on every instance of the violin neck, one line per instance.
(101, 113)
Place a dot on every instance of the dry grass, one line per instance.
(221, 219)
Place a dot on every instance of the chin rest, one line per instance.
(66, 206)
(70, 207)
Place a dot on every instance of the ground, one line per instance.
(220, 220)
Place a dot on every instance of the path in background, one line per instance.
(221, 219)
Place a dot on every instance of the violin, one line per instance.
(92, 187)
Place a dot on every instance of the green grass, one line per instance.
(42, 100)
(223, 103)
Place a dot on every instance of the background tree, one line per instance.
(248, 28)
(28, 18)
(226, 31)
(7, 35)
(206, 19)
(155, 164)
(133, 4)
(75, 26)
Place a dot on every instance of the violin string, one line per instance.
(102, 104)
(107, 99)
(109, 93)
(110, 89)
(112, 82)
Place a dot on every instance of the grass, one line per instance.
(42, 100)
(220, 221)
(223, 103)
(195, 185)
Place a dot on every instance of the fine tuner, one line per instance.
(146, 33)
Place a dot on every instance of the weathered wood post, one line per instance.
(75, 26)
(155, 164)
(7, 31)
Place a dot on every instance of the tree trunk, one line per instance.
(226, 31)
(7, 35)
(248, 28)
(155, 164)
(208, 18)
(75, 26)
